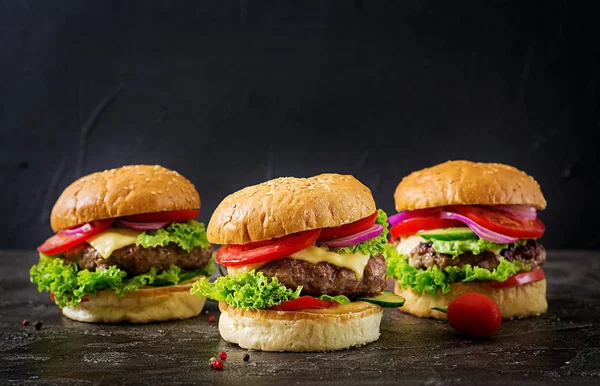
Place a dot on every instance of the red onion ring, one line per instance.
(522, 211)
(408, 214)
(480, 231)
(77, 230)
(399, 217)
(144, 226)
(356, 238)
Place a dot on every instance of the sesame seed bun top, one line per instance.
(123, 191)
(289, 205)
(468, 183)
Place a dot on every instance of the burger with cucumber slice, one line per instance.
(126, 248)
(468, 227)
(305, 265)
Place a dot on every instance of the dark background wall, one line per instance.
(231, 93)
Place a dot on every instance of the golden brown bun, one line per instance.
(514, 302)
(123, 191)
(143, 306)
(289, 205)
(300, 331)
(468, 183)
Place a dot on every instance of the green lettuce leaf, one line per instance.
(433, 278)
(373, 246)
(249, 291)
(456, 248)
(69, 284)
(187, 235)
(339, 298)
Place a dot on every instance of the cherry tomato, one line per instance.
(348, 229)
(171, 216)
(474, 315)
(304, 303)
(417, 224)
(501, 221)
(61, 242)
(264, 251)
(520, 279)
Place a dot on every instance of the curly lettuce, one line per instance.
(69, 285)
(249, 290)
(456, 248)
(373, 246)
(187, 235)
(434, 278)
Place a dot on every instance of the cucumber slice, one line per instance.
(461, 233)
(385, 299)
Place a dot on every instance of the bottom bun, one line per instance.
(514, 302)
(150, 304)
(350, 325)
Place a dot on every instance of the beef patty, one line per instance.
(328, 279)
(424, 256)
(136, 260)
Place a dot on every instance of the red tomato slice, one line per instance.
(304, 303)
(61, 242)
(520, 279)
(502, 222)
(417, 224)
(264, 251)
(172, 216)
(348, 229)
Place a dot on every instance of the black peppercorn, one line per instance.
(38, 325)
(246, 357)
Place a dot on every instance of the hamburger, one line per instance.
(468, 227)
(305, 265)
(126, 247)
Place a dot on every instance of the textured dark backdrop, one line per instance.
(232, 93)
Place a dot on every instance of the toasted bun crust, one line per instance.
(299, 331)
(143, 306)
(468, 183)
(514, 302)
(123, 191)
(289, 205)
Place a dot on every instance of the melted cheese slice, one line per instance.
(112, 239)
(405, 246)
(243, 268)
(313, 254)
(353, 261)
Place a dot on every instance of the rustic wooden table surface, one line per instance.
(561, 347)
